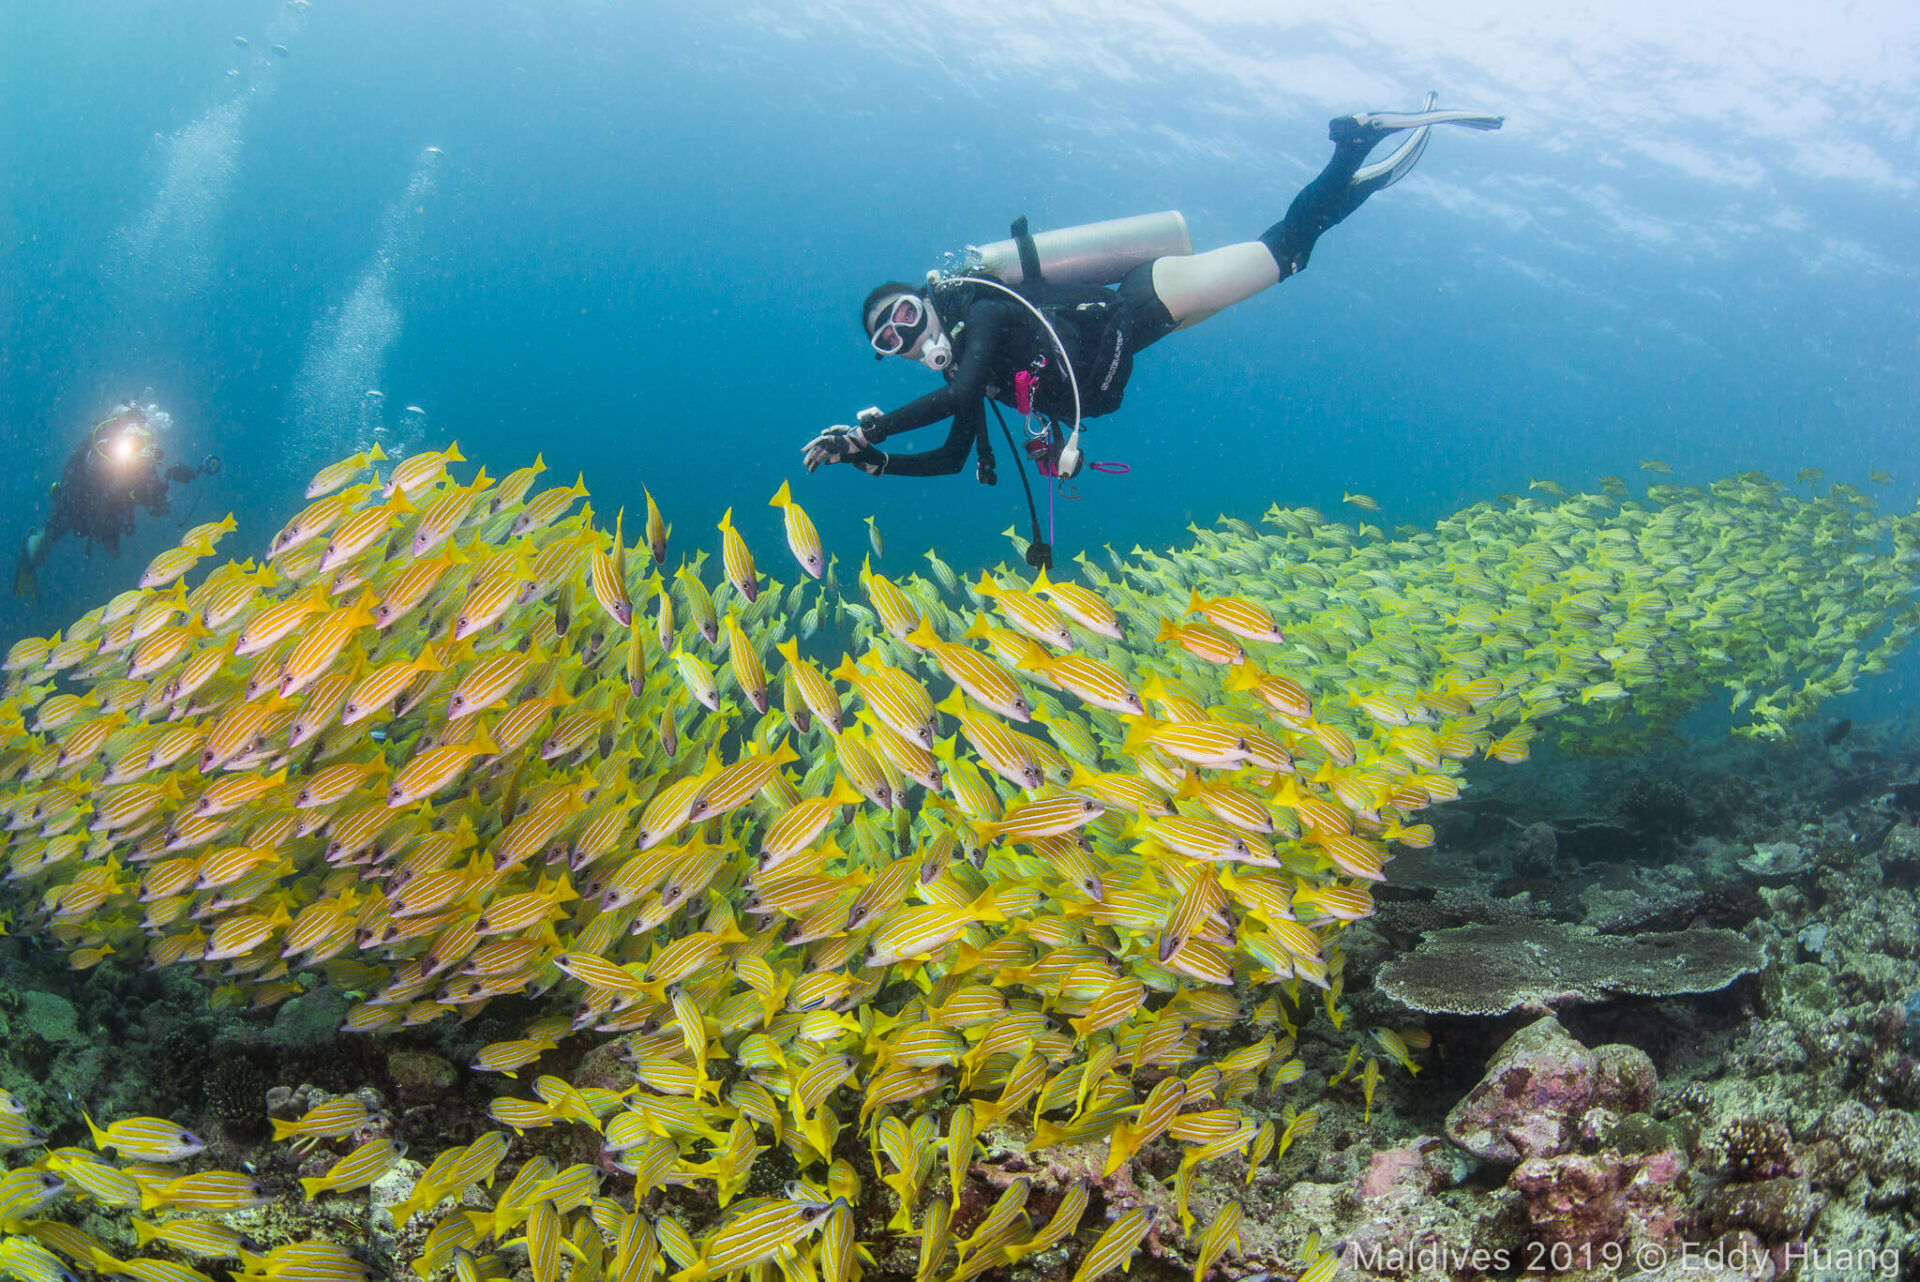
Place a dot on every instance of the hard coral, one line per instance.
(1536, 1089)
(237, 1093)
(1694, 1099)
(179, 1066)
(1756, 1150)
(1490, 970)
(1657, 811)
(1584, 1201)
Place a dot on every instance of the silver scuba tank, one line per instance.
(1090, 254)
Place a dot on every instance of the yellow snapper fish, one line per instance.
(147, 1139)
(418, 471)
(357, 1169)
(336, 475)
(334, 1119)
(195, 545)
(803, 540)
(737, 560)
(1172, 844)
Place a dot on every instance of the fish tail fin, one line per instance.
(101, 1140)
(376, 454)
(405, 1210)
(1035, 660)
(1139, 732)
(781, 497)
(923, 634)
(454, 455)
(1047, 1134)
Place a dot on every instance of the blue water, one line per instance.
(643, 245)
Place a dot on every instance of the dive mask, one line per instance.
(908, 322)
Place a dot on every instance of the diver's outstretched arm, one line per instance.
(969, 426)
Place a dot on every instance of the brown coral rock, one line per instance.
(1535, 1085)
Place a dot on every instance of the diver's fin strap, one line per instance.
(1029, 256)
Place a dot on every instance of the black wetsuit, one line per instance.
(995, 338)
(97, 494)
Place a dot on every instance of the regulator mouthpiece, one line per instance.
(1071, 459)
(936, 351)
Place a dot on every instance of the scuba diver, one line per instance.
(115, 469)
(1033, 324)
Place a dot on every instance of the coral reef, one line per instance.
(1491, 970)
(1538, 1087)
(954, 1028)
(1756, 1149)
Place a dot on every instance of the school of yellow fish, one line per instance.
(848, 872)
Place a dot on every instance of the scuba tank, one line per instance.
(1090, 254)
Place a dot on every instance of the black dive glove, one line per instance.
(842, 444)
